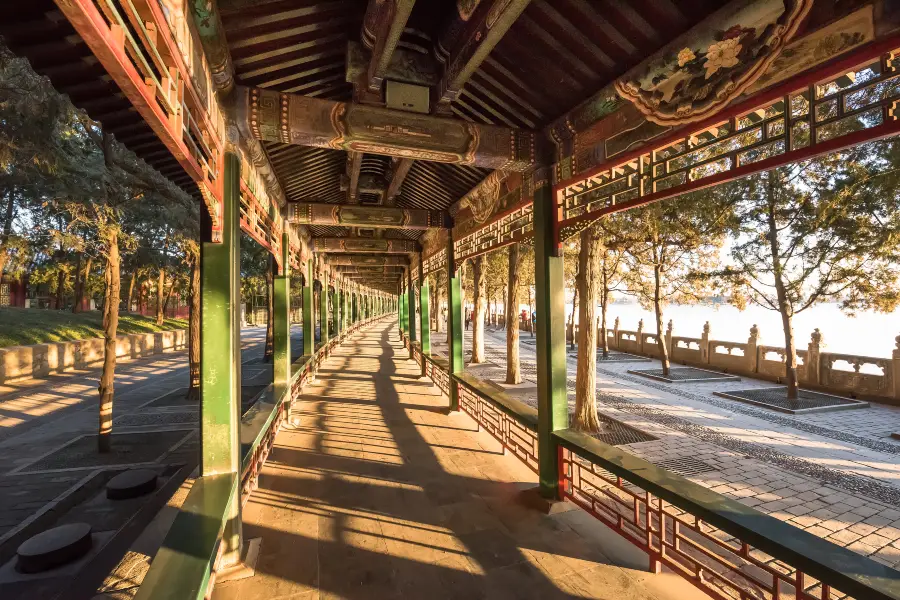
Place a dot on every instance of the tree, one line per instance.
(825, 230)
(585, 417)
(480, 304)
(672, 241)
(192, 257)
(612, 273)
(571, 277)
(514, 264)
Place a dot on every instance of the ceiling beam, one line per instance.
(469, 38)
(354, 162)
(323, 213)
(364, 245)
(382, 26)
(399, 169)
(362, 260)
(293, 119)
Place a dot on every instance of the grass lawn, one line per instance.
(25, 326)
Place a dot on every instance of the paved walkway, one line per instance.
(40, 416)
(836, 475)
(376, 492)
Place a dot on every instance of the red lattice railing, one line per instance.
(724, 567)
(517, 437)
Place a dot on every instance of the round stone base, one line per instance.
(54, 547)
(131, 484)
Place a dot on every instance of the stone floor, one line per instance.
(376, 492)
(38, 417)
(836, 475)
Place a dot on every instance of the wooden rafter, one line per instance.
(399, 169)
(468, 40)
(382, 27)
(354, 162)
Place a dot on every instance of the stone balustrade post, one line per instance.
(640, 336)
(704, 344)
(813, 362)
(668, 338)
(752, 354)
(615, 343)
(895, 366)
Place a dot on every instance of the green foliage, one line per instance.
(823, 231)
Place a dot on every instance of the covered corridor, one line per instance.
(376, 491)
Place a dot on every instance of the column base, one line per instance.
(533, 499)
(244, 568)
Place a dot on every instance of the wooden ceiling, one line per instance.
(555, 55)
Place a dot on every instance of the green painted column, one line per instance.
(553, 410)
(354, 309)
(309, 327)
(403, 323)
(336, 308)
(323, 308)
(220, 351)
(454, 321)
(424, 321)
(411, 311)
(281, 367)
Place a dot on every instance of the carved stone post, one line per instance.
(812, 362)
(752, 355)
(704, 344)
(640, 336)
(615, 343)
(669, 338)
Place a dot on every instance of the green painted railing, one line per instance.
(726, 549)
(184, 567)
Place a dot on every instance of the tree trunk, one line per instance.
(169, 293)
(784, 307)
(79, 285)
(110, 324)
(7, 228)
(440, 290)
(131, 290)
(513, 369)
(479, 310)
(270, 312)
(586, 373)
(193, 392)
(61, 278)
(657, 308)
(530, 310)
(160, 297)
(604, 298)
(574, 305)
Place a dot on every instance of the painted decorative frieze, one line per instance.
(711, 65)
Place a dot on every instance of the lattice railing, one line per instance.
(845, 104)
(257, 223)
(435, 262)
(516, 436)
(514, 226)
(721, 565)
